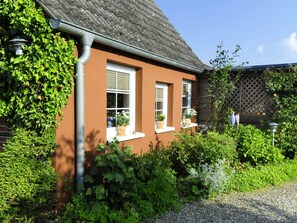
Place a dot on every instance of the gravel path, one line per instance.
(271, 205)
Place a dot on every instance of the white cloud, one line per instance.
(291, 42)
(260, 48)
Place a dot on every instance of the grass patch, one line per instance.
(262, 176)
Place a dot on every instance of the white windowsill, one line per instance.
(166, 129)
(135, 135)
(190, 126)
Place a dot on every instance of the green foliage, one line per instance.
(123, 118)
(27, 178)
(36, 85)
(160, 117)
(262, 176)
(123, 187)
(207, 180)
(192, 150)
(222, 80)
(254, 147)
(83, 209)
(282, 83)
(114, 169)
(155, 190)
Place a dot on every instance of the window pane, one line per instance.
(123, 101)
(185, 89)
(159, 93)
(111, 100)
(111, 118)
(111, 79)
(123, 81)
(186, 95)
(186, 102)
(159, 105)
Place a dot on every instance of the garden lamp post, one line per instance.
(17, 43)
(273, 127)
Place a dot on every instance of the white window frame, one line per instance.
(164, 87)
(111, 132)
(164, 110)
(189, 98)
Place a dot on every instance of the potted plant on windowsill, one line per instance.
(160, 121)
(123, 120)
(187, 115)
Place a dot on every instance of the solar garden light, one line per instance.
(273, 127)
(17, 43)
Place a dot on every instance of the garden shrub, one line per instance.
(253, 178)
(254, 147)
(123, 187)
(207, 180)
(27, 178)
(192, 150)
(282, 85)
(155, 188)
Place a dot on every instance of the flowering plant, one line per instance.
(189, 113)
(160, 117)
(123, 118)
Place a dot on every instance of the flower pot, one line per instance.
(121, 130)
(187, 122)
(160, 124)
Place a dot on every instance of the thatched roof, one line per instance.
(139, 23)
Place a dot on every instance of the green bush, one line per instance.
(85, 209)
(193, 150)
(123, 187)
(208, 180)
(114, 175)
(27, 179)
(258, 177)
(155, 188)
(254, 147)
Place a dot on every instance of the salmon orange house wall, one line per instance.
(148, 73)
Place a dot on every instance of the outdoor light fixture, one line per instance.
(273, 127)
(17, 43)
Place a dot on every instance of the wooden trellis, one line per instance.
(250, 97)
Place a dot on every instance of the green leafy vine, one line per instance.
(282, 84)
(34, 86)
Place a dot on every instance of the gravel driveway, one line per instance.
(271, 205)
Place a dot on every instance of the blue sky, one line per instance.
(265, 29)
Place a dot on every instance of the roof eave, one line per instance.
(76, 30)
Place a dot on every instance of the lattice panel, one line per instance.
(250, 97)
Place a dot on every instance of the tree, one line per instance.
(222, 80)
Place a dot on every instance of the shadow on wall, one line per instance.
(91, 142)
(64, 160)
(64, 163)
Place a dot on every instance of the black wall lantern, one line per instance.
(17, 43)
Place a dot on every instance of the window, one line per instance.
(120, 96)
(186, 95)
(186, 103)
(161, 107)
(161, 100)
